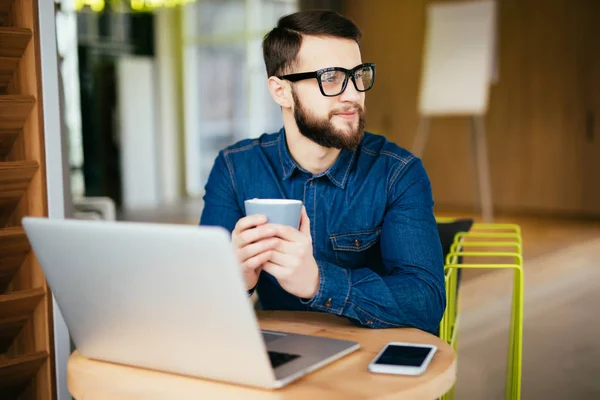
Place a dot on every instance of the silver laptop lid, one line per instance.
(158, 296)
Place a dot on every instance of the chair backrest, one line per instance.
(448, 230)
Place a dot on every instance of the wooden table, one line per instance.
(347, 378)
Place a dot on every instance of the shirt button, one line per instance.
(328, 303)
(357, 243)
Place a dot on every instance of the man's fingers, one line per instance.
(256, 261)
(282, 259)
(304, 222)
(249, 222)
(256, 248)
(254, 235)
(288, 233)
(276, 270)
(283, 246)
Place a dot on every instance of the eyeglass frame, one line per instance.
(317, 75)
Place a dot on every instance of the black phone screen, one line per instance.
(404, 355)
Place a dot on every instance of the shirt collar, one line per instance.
(287, 162)
(337, 174)
(339, 171)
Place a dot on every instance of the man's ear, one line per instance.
(280, 91)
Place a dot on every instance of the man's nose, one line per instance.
(350, 94)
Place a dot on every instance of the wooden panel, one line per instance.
(391, 105)
(14, 111)
(547, 90)
(7, 138)
(15, 246)
(16, 306)
(18, 370)
(17, 172)
(9, 265)
(30, 146)
(15, 178)
(21, 303)
(8, 65)
(13, 41)
(591, 145)
(5, 8)
(20, 307)
(27, 78)
(8, 213)
(9, 330)
(537, 114)
(13, 240)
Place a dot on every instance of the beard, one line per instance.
(323, 132)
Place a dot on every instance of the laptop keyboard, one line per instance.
(278, 359)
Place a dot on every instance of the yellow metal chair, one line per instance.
(503, 243)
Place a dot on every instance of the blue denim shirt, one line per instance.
(374, 233)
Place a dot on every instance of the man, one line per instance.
(367, 247)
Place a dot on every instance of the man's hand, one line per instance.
(253, 241)
(292, 262)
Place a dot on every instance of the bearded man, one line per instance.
(367, 248)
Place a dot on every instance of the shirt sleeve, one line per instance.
(411, 292)
(220, 204)
(220, 200)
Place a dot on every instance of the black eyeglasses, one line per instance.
(333, 81)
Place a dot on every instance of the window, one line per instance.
(225, 82)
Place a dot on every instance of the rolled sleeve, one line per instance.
(334, 289)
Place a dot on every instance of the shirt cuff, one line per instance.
(334, 289)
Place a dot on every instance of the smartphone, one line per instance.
(403, 358)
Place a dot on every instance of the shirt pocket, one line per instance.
(353, 249)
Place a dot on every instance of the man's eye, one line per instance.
(328, 77)
(363, 73)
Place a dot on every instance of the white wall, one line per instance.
(138, 121)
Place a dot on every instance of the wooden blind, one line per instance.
(26, 368)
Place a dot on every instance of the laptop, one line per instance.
(169, 298)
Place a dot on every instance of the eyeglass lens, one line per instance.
(332, 82)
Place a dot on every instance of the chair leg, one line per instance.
(421, 137)
(515, 346)
(518, 334)
(509, 389)
(452, 393)
(481, 160)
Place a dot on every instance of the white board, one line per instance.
(458, 58)
(136, 91)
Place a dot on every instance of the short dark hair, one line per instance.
(282, 43)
